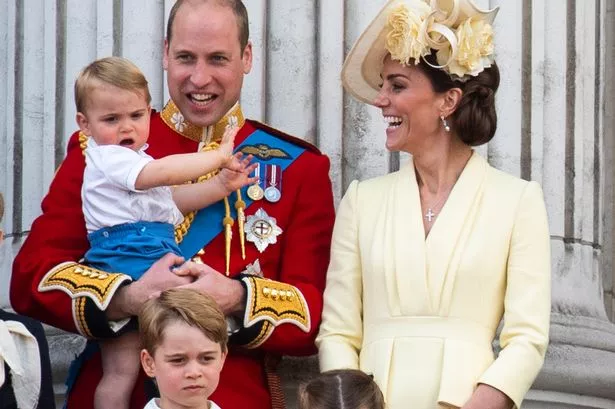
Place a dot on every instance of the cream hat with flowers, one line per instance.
(460, 33)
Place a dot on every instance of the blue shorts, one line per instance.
(130, 248)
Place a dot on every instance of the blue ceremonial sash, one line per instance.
(207, 223)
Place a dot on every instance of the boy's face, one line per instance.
(186, 365)
(115, 116)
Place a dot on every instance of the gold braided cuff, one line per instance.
(79, 317)
(77, 280)
(276, 303)
(262, 336)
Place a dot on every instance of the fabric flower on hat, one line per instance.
(475, 48)
(405, 39)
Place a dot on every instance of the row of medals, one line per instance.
(271, 193)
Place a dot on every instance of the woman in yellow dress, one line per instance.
(426, 261)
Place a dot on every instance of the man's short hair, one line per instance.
(239, 9)
(184, 305)
(116, 71)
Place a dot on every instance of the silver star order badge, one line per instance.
(262, 230)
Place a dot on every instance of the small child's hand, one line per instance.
(237, 163)
(237, 174)
(227, 145)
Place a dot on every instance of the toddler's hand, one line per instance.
(227, 145)
(237, 174)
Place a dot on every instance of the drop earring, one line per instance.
(445, 123)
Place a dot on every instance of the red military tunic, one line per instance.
(48, 284)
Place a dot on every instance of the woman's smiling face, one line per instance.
(409, 105)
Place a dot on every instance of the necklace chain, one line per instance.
(430, 215)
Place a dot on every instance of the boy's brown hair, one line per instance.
(116, 71)
(341, 388)
(184, 305)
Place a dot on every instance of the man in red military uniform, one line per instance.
(262, 252)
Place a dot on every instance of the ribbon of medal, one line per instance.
(255, 192)
(273, 191)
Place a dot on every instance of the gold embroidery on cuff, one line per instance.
(77, 280)
(276, 303)
(263, 335)
(79, 317)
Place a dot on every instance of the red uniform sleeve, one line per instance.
(50, 255)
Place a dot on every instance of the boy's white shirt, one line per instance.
(152, 404)
(108, 193)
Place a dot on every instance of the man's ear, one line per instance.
(148, 364)
(165, 55)
(83, 123)
(246, 58)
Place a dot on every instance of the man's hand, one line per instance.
(237, 174)
(129, 299)
(228, 293)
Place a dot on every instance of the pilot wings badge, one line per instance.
(264, 152)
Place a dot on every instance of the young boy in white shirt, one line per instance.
(130, 202)
(184, 337)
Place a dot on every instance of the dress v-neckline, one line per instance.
(450, 196)
(429, 257)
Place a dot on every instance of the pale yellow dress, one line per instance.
(420, 314)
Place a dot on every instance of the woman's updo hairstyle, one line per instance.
(475, 119)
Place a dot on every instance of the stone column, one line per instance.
(579, 371)
(609, 154)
